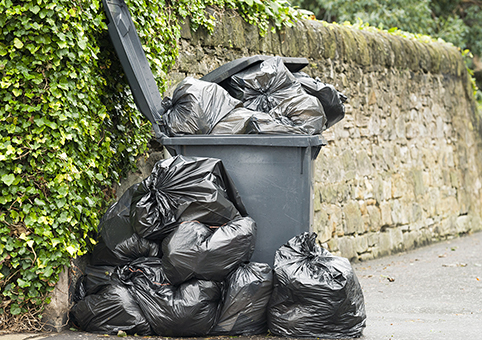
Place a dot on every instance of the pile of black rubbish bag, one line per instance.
(173, 254)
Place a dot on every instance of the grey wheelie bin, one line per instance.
(273, 174)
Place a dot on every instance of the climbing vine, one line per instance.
(68, 124)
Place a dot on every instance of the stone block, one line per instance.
(55, 313)
(353, 221)
(346, 247)
(364, 164)
(361, 244)
(322, 226)
(375, 218)
(386, 213)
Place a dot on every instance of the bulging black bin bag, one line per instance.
(184, 189)
(304, 111)
(246, 121)
(190, 309)
(124, 252)
(265, 85)
(315, 294)
(94, 279)
(194, 250)
(149, 268)
(118, 244)
(246, 298)
(330, 98)
(111, 310)
(197, 106)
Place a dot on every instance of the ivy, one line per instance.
(68, 124)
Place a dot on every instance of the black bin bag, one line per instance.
(315, 294)
(196, 107)
(111, 310)
(263, 86)
(190, 309)
(149, 268)
(330, 98)
(118, 244)
(95, 278)
(246, 121)
(194, 250)
(184, 189)
(246, 298)
(304, 111)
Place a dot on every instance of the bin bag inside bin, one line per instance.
(196, 107)
(329, 97)
(304, 111)
(246, 297)
(271, 88)
(245, 121)
(263, 86)
(111, 310)
(315, 294)
(195, 250)
(184, 189)
(190, 309)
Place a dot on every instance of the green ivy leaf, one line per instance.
(8, 179)
(17, 43)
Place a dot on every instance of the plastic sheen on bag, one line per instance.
(265, 85)
(194, 250)
(94, 279)
(315, 294)
(190, 309)
(329, 97)
(303, 111)
(197, 106)
(246, 298)
(111, 310)
(245, 121)
(184, 189)
(149, 268)
(124, 252)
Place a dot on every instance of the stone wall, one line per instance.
(402, 169)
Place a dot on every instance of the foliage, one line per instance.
(458, 22)
(68, 123)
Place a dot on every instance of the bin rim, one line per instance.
(253, 140)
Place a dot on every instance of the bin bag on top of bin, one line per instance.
(195, 250)
(246, 298)
(245, 121)
(190, 309)
(117, 243)
(315, 294)
(111, 310)
(196, 107)
(184, 189)
(329, 97)
(271, 88)
(303, 111)
(263, 86)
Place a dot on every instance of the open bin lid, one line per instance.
(134, 62)
(225, 71)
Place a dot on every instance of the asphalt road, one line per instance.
(432, 293)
